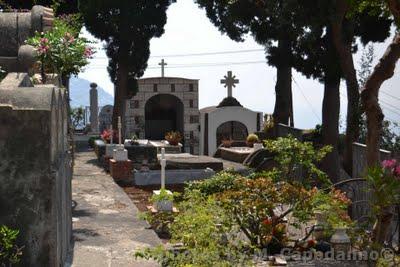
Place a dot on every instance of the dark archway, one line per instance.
(163, 113)
(231, 130)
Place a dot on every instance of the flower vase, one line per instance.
(340, 241)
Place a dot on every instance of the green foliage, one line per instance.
(259, 206)
(77, 116)
(385, 186)
(163, 196)
(333, 206)
(59, 6)
(9, 252)
(208, 235)
(127, 28)
(220, 182)
(293, 156)
(59, 51)
(252, 138)
(92, 139)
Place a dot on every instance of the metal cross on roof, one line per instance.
(230, 82)
(162, 64)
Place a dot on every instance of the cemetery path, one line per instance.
(106, 230)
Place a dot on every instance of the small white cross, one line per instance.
(229, 82)
(162, 64)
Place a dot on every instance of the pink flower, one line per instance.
(389, 164)
(44, 40)
(396, 172)
(88, 52)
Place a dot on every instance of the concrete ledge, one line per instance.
(171, 176)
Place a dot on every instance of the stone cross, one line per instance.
(163, 164)
(112, 135)
(94, 108)
(162, 64)
(119, 129)
(230, 82)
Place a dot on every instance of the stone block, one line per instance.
(121, 171)
(106, 163)
(171, 176)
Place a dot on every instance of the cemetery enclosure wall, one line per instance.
(35, 171)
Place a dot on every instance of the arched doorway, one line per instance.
(163, 113)
(231, 130)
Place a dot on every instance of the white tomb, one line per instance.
(120, 153)
(228, 120)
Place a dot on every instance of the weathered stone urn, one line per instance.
(340, 241)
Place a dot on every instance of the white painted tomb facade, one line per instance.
(229, 120)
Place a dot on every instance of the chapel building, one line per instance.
(165, 104)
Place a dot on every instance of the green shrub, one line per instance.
(9, 252)
(209, 236)
(294, 157)
(252, 138)
(220, 182)
(92, 139)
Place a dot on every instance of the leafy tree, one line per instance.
(127, 28)
(77, 116)
(383, 71)
(274, 25)
(59, 6)
(344, 30)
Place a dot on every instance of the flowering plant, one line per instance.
(106, 136)
(384, 182)
(60, 50)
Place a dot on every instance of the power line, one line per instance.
(309, 103)
(204, 53)
(384, 105)
(198, 65)
(395, 97)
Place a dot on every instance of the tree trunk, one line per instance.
(383, 71)
(120, 92)
(343, 45)
(382, 226)
(330, 127)
(283, 87)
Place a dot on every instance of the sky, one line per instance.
(188, 31)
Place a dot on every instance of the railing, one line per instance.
(360, 209)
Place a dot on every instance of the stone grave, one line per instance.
(35, 156)
(235, 154)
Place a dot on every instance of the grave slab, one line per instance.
(186, 161)
(236, 154)
(172, 176)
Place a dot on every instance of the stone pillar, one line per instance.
(94, 109)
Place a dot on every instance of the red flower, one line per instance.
(311, 243)
(267, 222)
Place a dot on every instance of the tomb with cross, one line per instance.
(230, 81)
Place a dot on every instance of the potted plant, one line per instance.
(134, 140)
(251, 139)
(173, 138)
(106, 136)
(227, 142)
(163, 200)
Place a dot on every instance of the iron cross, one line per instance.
(230, 82)
(162, 64)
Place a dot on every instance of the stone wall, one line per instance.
(360, 159)
(186, 90)
(35, 169)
